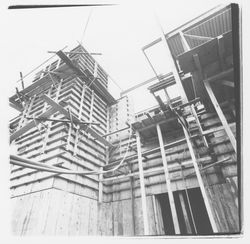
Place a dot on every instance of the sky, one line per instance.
(118, 32)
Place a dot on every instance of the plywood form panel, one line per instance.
(224, 208)
(54, 212)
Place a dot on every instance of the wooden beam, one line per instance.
(71, 65)
(32, 124)
(221, 115)
(62, 110)
(205, 38)
(85, 53)
(138, 85)
(168, 183)
(174, 69)
(221, 51)
(185, 213)
(116, 131)
(220, 76)
(200, 182)
(100, 188)
(187, 24)
(184, 42)
(142, 185)
(16, 106)
(228, 83)
(96, 85)
(156, 216)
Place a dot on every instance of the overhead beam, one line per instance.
(220, 76)
(84, 53)
(137, 86)
(186, 25)
(205, 38)
(70, 64)
(84, 127)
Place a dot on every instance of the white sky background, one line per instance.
(118, 32)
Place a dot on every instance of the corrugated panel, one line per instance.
(213, 27)
(176, 45)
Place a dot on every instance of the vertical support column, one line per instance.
(25, 112)
(142, 185)
(52, 116)
(184, 42)
(131, 180)
(95, 69)
(221, 115)
(155, 215)
(200, 182)
(78, 131)
(170, 193)
(100, 194)
(91, 106)
(185, 214)
(174, 69)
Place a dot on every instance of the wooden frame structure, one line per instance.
(78, 126)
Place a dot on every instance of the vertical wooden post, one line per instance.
(174, 69)
(156, 217)
(184, 42)
(142, 185)
(100, 195)
(185, 214)
(200, 182)
(221, 115)
(95, 69)
(78, 131)
(170, 193)
(132, 204)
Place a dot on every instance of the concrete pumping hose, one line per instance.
(16, 160)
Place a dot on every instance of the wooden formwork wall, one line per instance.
(220, 181)
(69, 204)
(64, 204)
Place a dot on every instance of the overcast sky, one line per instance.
(118, 32)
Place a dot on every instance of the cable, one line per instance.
(85, 28)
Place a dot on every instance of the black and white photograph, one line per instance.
(124, 119)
